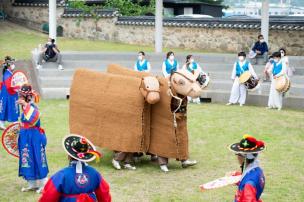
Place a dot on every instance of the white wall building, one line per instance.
(253, 9)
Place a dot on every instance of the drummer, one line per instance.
(277, 69)
(251, 185)
(238, 91)
(9, 110)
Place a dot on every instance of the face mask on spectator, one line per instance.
(282, 54)
(49, 43)
(140, 57)
(171, 57)
(262, 40)
(241, 58)
(276, 60)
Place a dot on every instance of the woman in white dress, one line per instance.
(284, 58)
(238, 91)
(277, 69)
(169, 65)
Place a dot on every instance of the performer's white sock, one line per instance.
(2, 124)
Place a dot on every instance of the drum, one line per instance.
(249, 81)
(18, 79)
(282, 84)
(203, 79)
(10, 139)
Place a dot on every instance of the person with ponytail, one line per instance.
(9, 110)
(33, 166)
(79, 181)
(252, 183)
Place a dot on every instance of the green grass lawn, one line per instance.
(18, 42)
(212, 128)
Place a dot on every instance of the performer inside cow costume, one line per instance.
(120, 116)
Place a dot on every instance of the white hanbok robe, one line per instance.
(239, 91)
(275, 99)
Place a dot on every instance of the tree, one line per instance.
(91, 10)
(131, 7)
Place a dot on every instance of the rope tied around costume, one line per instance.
(179, 105)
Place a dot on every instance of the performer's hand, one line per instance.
(21, 102)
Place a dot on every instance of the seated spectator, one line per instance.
(260, 48)
(50, 53)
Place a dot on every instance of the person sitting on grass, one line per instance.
(79, 181)
(50, 53)
(251, 185)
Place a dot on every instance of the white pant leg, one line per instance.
(243, 94)
(275, 98)
(235, 91)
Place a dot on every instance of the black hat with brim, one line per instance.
(248, 145)
(79, 148)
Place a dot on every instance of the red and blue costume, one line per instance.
(69, 186)
(251, 186)
(31, 143)
(9, 109)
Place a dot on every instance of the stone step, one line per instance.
(225, 85)
(55, 93)
(295, 89)
(295, 61)
(219, 96)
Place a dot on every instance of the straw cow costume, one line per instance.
(116, 114)
(159, 129)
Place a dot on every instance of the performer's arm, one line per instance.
(249, 193)
(103, 192)
(252, 72)
(50, 192)
(233, 74)
(135, 67)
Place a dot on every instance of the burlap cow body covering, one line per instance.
(109, 109)
(165, 139)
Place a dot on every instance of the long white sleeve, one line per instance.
(135, 67)
(233, 72)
